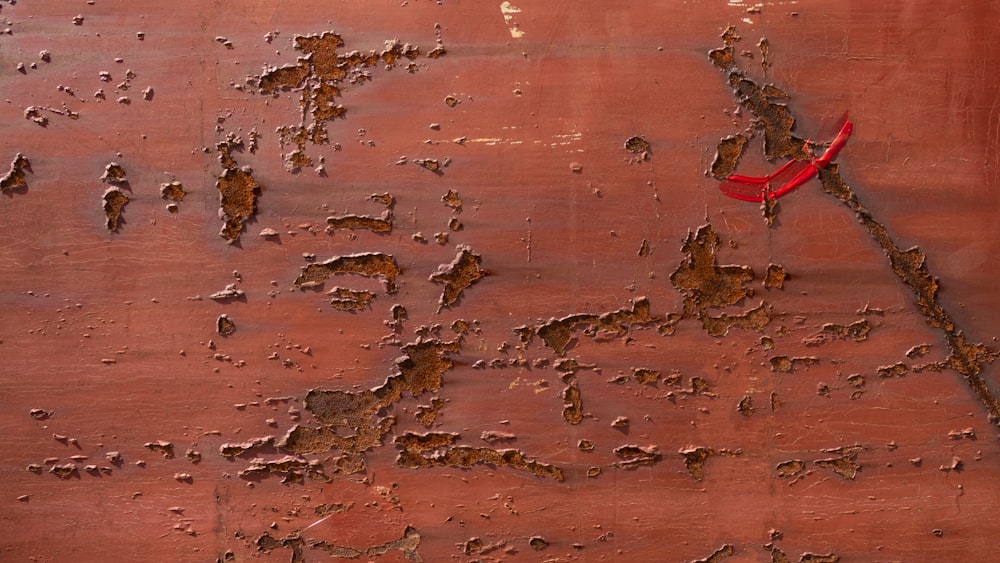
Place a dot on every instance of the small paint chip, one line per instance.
(225, 326)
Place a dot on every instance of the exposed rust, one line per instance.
(706, 285)
(817, 558)
(380, 224)
(785, 364)
(895, 370)
(856, 331)
(846, 465)
(237, 200)
(427, 414)
(966, 358)
(114, 201)
(349, 299)
(453, 200)
(727, 155)
(320, 75)
(15, 180)
(636, 145)
(224, 325)
(114, 174)
(351, 422)
(537, 543)
(368, 264)
(745, 406)
(161, 446)
(233, 449)
(633, 456)
(558, 333)
(572, 404)
(775, 277)
(790, 468)
(438, 448)
(173, 191)
(646, 376)
(292, 469)
(695, 457)
(724, 552)
(462, 272)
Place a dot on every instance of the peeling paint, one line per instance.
(369, 264)
(457, 276)
(15, 180)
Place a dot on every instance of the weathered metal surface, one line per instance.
(455, 280)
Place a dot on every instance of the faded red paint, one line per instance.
(726, 391)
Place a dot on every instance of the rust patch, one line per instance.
(173, 191)
(706, 285)
(785, 364)
(161, 446)
(349, 299)
(381, 224)
(408, 544)
(646, 376)
(537, 543)
(224, 325)
(369, 264)
(233, 449)
(695, 457)
(856, 331)
(494, 436)
(351, 421)
(895, 370)
(293, 469)
(114, 174)
(918, 351)
(453, 200)
(114, 201)
(723, 552)
(846, 465)
(637, 145)
(966, 358)
(775, 277)
(816, 558)
(727, 155)
(427, 414)
(572, 405)
(723, 57)
(745, 406)
(437, 448)
(558, 333)
(15, 180)
(318, 76)
(237, 200)
(462, 272)
(633, 456)
(790, 468)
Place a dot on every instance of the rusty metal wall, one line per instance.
(431, 281)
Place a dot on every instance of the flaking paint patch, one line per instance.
(320, 75)
(15, 180)
(557, 334)
(727, 155)
(113, 201)
(457, 276)
(352, 421)
(707, 285)
(966, 358)
(237, 201)
(439, 448)
(368, 264)
(724, 552)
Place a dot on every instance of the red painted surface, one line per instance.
(111, 332)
